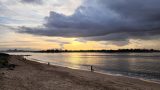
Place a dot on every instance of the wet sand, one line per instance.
(30, 75)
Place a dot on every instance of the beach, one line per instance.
(30, 75)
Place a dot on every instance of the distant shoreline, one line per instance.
(91, 51)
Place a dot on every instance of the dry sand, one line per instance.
(29, 75)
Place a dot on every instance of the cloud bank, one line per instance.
(104, 20)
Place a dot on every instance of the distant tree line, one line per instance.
(103, 51)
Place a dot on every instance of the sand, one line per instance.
(30, 75)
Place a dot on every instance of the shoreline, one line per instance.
(104, 73)
(138, 78)
(39, 76)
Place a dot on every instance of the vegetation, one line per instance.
(103, 51)
(3, 60)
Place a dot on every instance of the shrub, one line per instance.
(3, 60)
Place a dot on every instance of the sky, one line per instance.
(79, 24)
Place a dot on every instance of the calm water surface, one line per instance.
(143, 65)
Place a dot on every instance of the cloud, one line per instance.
(104, 20)
(32, 1)
(61, 43)
(11, 13)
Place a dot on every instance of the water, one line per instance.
(140, 65)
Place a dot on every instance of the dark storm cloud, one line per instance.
(32, 1)
(101, 20)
